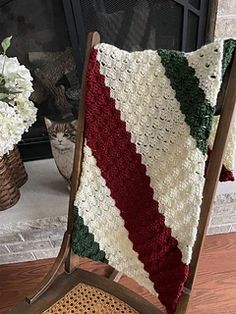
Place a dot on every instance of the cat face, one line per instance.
(62, 135)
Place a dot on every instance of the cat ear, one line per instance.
(48, 122)
(74, 123)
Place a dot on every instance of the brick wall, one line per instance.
(225, 25)
(34, 243)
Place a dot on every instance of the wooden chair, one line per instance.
(55, 287)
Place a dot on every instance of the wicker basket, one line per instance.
(12, 176)
(17, 167)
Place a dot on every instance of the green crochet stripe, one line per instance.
(229, 48)
(193, 103)
(83, 243)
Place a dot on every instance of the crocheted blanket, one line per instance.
(148, 120)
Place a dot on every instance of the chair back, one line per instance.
(139, 188)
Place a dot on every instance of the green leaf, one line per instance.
(6, 43)
(4, 97)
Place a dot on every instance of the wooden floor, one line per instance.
(214, 292)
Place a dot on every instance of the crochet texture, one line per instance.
(148, 120)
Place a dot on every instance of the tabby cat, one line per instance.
(62, 138)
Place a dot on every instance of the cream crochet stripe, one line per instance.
(212, 55)
(95, 205)
(167, 149)
(206, 62)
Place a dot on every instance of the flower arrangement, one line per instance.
(17, 112)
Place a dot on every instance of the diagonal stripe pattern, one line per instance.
(164, 143)
(148, 119)
(97, 206)
(125, 176)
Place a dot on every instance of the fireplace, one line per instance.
(49, 37)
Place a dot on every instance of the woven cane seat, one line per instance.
(85, 299)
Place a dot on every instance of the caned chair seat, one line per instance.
(86, 299)
(83, 292)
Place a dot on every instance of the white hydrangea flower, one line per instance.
(11, 128)
(26, 109)
(17, 77)
(18, 113)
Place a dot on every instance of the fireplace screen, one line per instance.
(41, 42)
(135, 24)
(145, 24)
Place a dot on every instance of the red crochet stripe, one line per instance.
(126, 177)
(225, 175)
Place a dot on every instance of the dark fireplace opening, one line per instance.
(49, 37)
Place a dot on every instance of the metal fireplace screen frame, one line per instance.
(78, 28)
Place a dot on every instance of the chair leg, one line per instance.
(72, 262)
(69, 265)
(51, 275)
